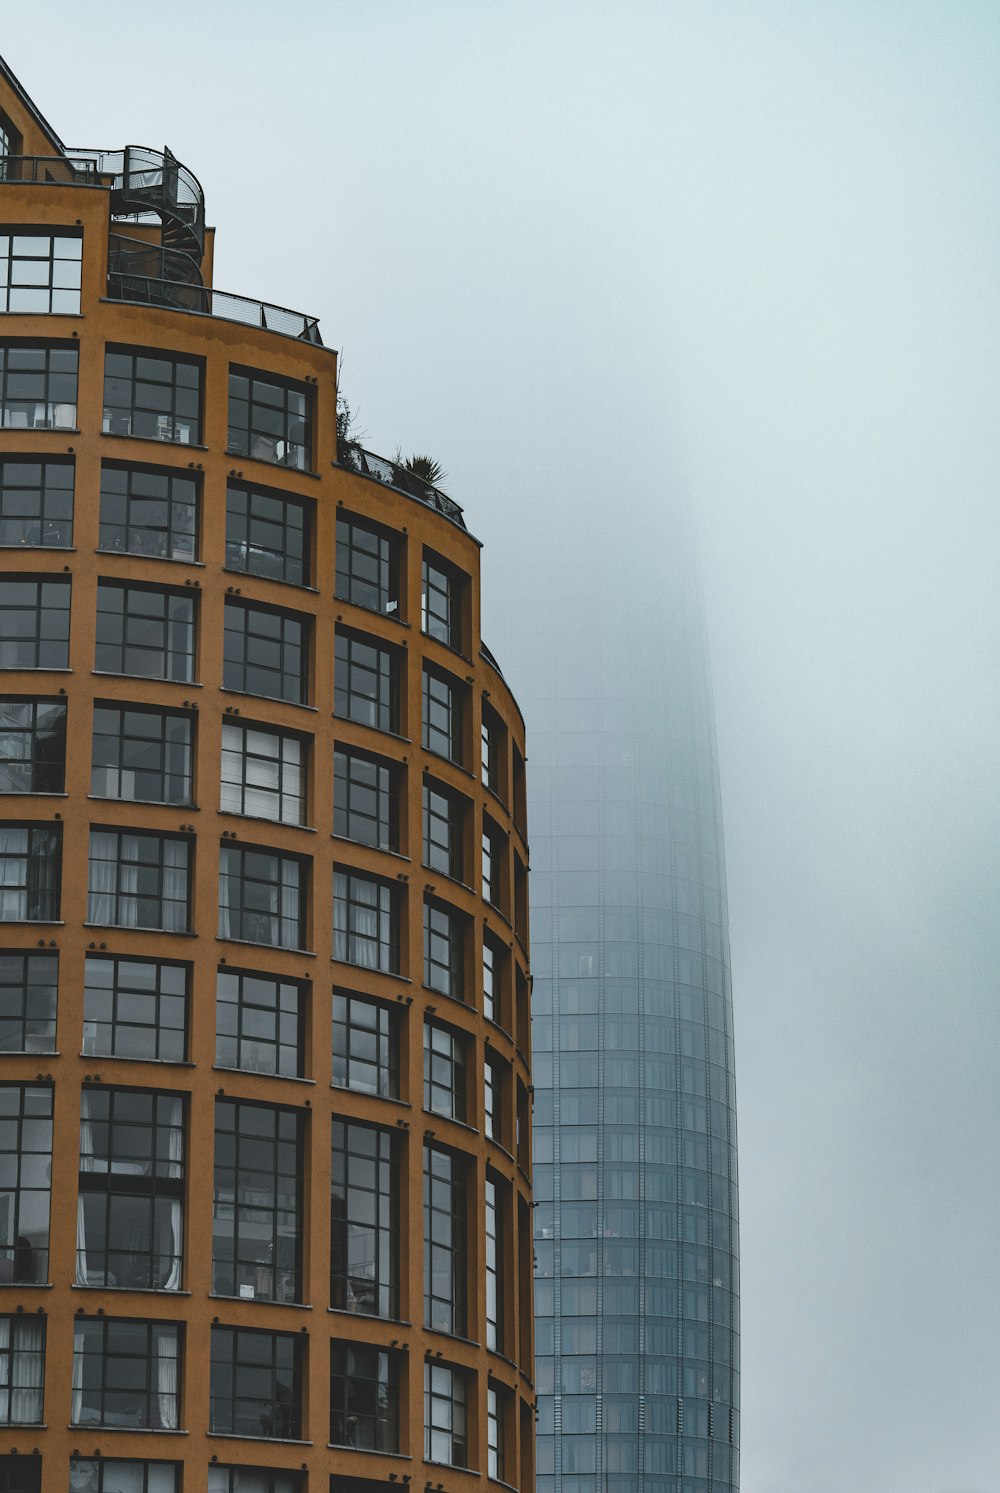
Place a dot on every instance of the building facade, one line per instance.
(264, 1010)
(636, 1290)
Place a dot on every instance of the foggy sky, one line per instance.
(581, 253)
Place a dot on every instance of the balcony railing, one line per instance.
(76, 171)
(357, 459)
(489, 658)
(145, 291)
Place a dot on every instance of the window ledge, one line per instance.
(456, 1000)
(239, 1436)
(259, 1073)
(121, 928)
(56, 549)
(160, 559)
(338, 1311)
(163, 803)
(390, 974)
(225, 689)
(51, 1053)
(345, 1088)
(348, 601)
(251, 943)
(105, 1430)
(33, 922)
(455, 881)
(254, 575)
(130, 1291)
(367, 726)
(32, 793)
(369, 1451)
(300, 1306)
(458, 766)
(150, 679)
(455, 1467)
(433, 1114)
(397, 855)
(152, 440)
(270, 466)
(501, 1147)
(120, 1057)
(25, 1285)
(310, 829)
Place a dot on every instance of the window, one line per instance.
(494, 1264)
(252, 1480)
(366, 799)
(445, 1265)
(366, 682)
(494, 863)
(365, 1046)
(256, 1383)
(496, 1407)
(30, 872)
(112, 1475)
(141, 754)
(364, 1397)
(263, 773)
(139, 880)
(492, 733)
(130, 1225)
(270, 419)
(367, 565)
(144, 631)
(37, 387)
(25, 1167)
(126, 1373)
(441, 603)
(493, 1080)
(40, 271)
(10, 148)
(36, 503)
(442, 716)
(268, 534)
(22, 1370)
(493, 956)
(444, 950)
(152, 395)
(265, 652)
(262, 897)
(19, 1473)
(135, 1008)
(32, 745)
(445, 1415)
(364, 1220)
(149, 511)
(260, 1023)
(444, 1071)
(444, 816)
(34, 623)
(28, 992)
(257, 1217)
(365, 922)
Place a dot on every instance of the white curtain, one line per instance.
(175, 885)
(27, 1370)
(166, 1377)
(289, 904)
(103, 861)
(128, 881)
(87, 1164)
(228, 864)
(175, 1169)
(78, 1347)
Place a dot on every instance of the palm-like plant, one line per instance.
(424, 468)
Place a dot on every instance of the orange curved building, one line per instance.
(264, 1012)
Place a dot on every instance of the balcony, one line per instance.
(356, 459)
(144, 290)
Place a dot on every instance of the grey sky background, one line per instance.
(585, 253)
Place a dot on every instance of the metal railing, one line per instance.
(489, 658)
(356, 459)
(74, 171)
(144, 181)
(145, 290)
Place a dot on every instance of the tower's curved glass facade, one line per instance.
(636, 1287)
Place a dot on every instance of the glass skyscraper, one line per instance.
(636, 1287)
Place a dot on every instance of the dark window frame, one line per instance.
(52, 602)
(364, 1219)
(263, 429)
(54, 368)
(19, 1012)
(43, 775)
(445, 939)
(441, 1381)
(61, 295)
(42, 872)
(22, 1369)
(277, 1419)
(126, 1000)
(241, 1048)
(238, 917)
(364, 1396)
(365, 1044)
(249, 522)
(235, 790)
(151, 400)
(254, 1198)
(172, 656)
(368, 565)
(443, 715)
(148, 1484)
(121, 895)
(442, 602)
(48, 522)
(30, 1107)
(149, 1414)
(446, 1071)
(180, 498)
(350, 909)
(245, 646)
(444, 815)
(358, 659)
(129, 742)
(367, 796)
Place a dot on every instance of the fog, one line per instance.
(592, 255)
